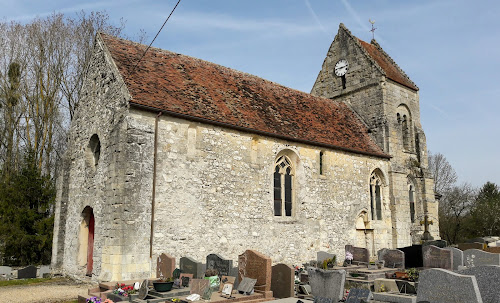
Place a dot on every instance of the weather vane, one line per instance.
(373, 28)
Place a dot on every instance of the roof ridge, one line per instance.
(375, 43)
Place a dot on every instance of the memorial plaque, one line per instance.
(359, 254)
(255, 265)
(405, 287)
(358, 295)
(393, 258)
(246, 286)
(143, 291)
(199, 286)
(282, 281)
(185, 279)
(190, 266)
(327, 283)
(165, 265)
(226, 279)
(27, 272)
(223, 266)
(435, 257)
(227, 290)
(458, 257)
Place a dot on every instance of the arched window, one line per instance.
(94, 150)
(376, 196)
(411, 198)
(283, 191)
(406, 133)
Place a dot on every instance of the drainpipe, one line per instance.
(154, 186)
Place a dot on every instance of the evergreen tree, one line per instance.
(26, 219)
(485, 219)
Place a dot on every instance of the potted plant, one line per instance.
(163, 285)
(329, 263)
(348, 258)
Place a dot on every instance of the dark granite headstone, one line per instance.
(359, 254)
(27, 272)
(476, 257)
(458, 257)
(143, 291)
(441, 285)
(327, 283)
(190, 266)
(246, 285)
(199, 286)
(393, 258)
(413, 256)
(282, 281)
(223, 266)
(438, 243)
(165, 265)
(255, 265)
(358, 295)
(405, 287)
(435, 257)
(487, 277)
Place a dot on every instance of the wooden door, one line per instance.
(90, 247)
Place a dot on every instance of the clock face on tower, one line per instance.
(341, 67)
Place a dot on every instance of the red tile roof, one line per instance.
(390, 68)
(195, 89)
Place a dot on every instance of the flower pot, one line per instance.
(163, 286)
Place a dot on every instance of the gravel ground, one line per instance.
(47, 292)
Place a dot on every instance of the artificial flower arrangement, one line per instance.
(98, 300)
(122, 290)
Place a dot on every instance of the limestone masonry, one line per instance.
(190, 158)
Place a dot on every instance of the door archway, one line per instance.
(86, 240)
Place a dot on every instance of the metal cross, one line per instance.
(373, 28)
(426, 222)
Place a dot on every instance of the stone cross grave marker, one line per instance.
(246, 285)
(190, 266)
(359, 254)
(444, 286)
(487, 277)
(476, 257)
(323, 255)
(282, 281)
(435, 257)
(143, 291)
(327, 283)
(356, 295)
(199, 286)
(458, 257)
(223, 266)
(165, 266)
(393, 258)
(28, 272)
(255, 265)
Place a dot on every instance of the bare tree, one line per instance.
(454, 209)
(444, 175)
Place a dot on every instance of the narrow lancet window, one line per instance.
(283, 187)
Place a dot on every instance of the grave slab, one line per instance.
(255, 265)
(28, 272)
(487, 277)
(359, 254)
(439, 285)
(165, 266)
(358, 295)
(190, 266)
(327, 283)
(435, 257)
(223, 266)
(199, 286)
(458, 257)
(476, 257)
(394, 297)
(282, 281)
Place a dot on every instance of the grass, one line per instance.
(29, 281)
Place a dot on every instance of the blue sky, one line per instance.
(449, 48)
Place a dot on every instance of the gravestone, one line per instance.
(223, 266)
(282, 281)
(255, 265)
(358, 295)
(199, 286)
(495, 249)
(476, 257)
(405, 287)
(5, 270)
(322, 300)
(413, 256)
(165, 265)
(327, 283)
(190, 266)
(185, 279)
(323, 255)
(359, 254)
(458, 257)
(438, 243)
(28, 272)
(393, 258)
(226, 280)
(143, 290)
(487, 277)
(43, 271)
(435, 257)
(246, 285)
(476, 245)
(439, 285)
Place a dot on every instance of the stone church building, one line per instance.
(179, 155)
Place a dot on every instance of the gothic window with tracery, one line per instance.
(283, 191)
(376, 196)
